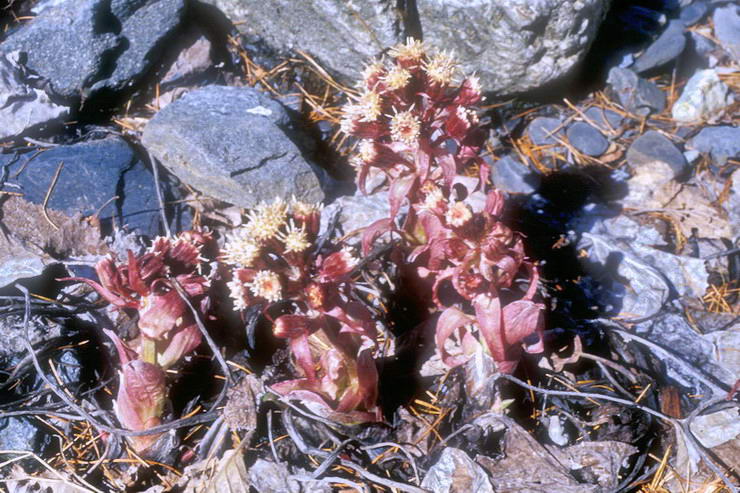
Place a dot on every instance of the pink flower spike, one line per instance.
(140, 400)
(161, 313)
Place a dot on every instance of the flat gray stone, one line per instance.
(234, 144)
(514, 46)
(722, 142)
(704, 98)
(605, 120)
(103, 177)
(652, 147)
(545, 131)
(635, 94)
(693, 13)
(587, 139)
(727, 28)
(510, 175)
(667, 47)
(341, 35)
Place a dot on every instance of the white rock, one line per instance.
(704, 97)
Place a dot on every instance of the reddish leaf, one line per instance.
(448, 322)
(182, 342)
(400, 190)
(521, 319)
(489, 317)
(372, 232)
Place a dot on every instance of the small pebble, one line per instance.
(653, 146)
(587, 139)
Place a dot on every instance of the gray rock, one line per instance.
(17, 434)
(455, 472)
(234, 144)
(510, 175)
(703, 46)
(587, 139)
(635, 94)
(341, 35)
(605, 120)
(652, 147)
(693, 13)
(545, 131)
(84, 46)
(513, 45)
(356, 212)
(67, 45)
(193, 61)
(727, 28)
(704, 97)
(145, 26)
(721, 142)
(24, 108)
(669, 45)
(93, 175)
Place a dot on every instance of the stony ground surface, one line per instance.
(613, 129)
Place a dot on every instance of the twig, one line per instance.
(48, 195)
(160, 199)
(682, 425)
(731, 251)
(330, 459)
(381, 480)
(270, 437)
(214, 348)
(666, 354)
(402, 449)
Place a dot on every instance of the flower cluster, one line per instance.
(331, 335)
(418, 127)
(146, 285)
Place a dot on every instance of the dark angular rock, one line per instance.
(727, 28)
(510, 175)
(94, 173)
(84, 46)
(693, 13)
(587, 139)
(721, 142)
(652, 146)
(635, 94)
(24, 108)
(669, 45)
(145, 26)
(605, 120)
(66, 45)
(234, 144)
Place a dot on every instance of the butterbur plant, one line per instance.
(418, 127)
(331, 335)
(145, 286)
